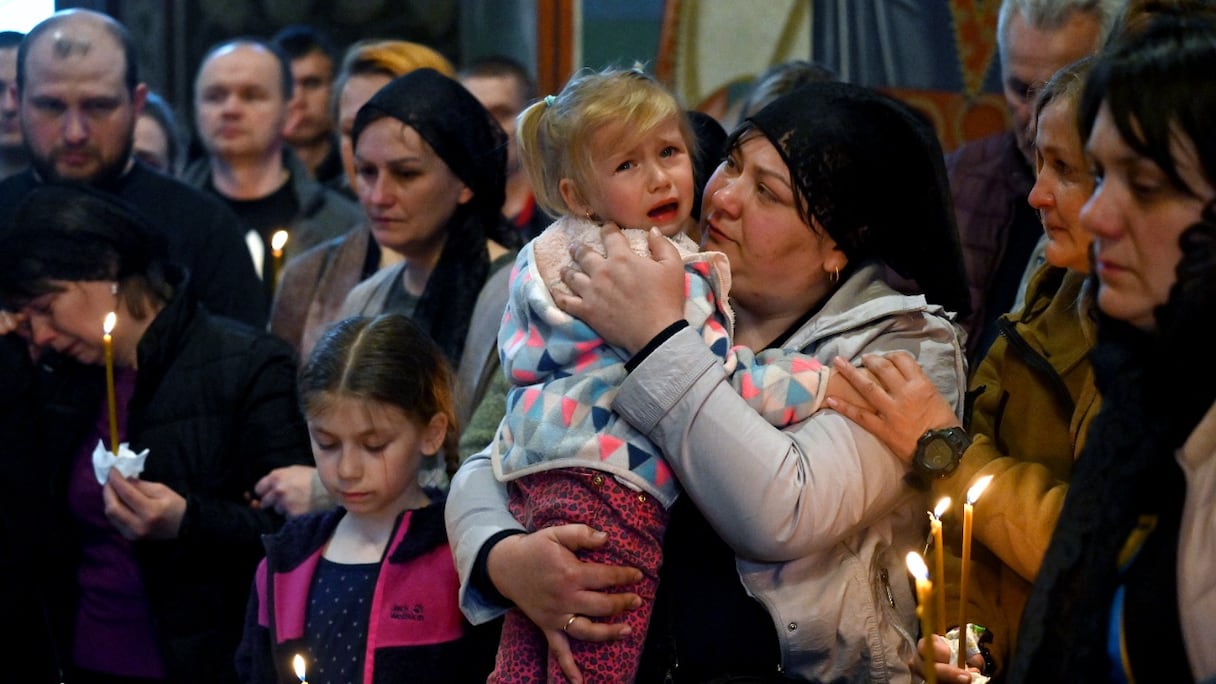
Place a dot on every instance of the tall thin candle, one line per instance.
(973, 494)
(107, 344)
(939, 562)
(924, 589)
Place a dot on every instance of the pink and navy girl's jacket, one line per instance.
(559, 412)
(416, 630)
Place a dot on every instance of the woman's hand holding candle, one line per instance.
(973, 495)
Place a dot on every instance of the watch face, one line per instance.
(938, 455)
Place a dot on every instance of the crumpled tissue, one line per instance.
(129, 463)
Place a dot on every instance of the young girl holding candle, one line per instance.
(612, 146)
(368, 592)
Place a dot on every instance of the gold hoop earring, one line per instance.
(836, 275)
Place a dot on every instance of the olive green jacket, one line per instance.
(1034, 397)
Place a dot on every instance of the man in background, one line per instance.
(12, 152)
(991, 178)
(240, 107)
(310, 130)
(504, 87)
(79, 95)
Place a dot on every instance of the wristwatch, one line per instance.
(939, 451)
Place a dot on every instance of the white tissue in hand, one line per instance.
(128, 463)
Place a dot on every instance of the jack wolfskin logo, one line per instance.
(413, 612)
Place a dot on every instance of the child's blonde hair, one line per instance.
(386, 359)
(554, 133)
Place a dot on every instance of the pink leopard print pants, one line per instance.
(635, 523)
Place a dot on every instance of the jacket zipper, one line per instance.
(1038, 362)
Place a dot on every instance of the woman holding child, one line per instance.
(812, 520)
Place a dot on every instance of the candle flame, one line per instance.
(978, 488)
(107, 327)
(297, 664)
(916, 566)
(943, 505)
(279, 240)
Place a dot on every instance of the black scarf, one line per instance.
(1155, 389)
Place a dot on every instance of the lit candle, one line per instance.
(277, 242)
(107, 344)
(972, 495)
(297, 664)
(939, 562)
(924, 589)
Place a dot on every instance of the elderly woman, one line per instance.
(146, 576)
(786, 557)
(1033, 398)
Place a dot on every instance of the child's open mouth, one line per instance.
(664, 212)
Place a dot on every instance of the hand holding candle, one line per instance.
(297, 664)
(107, 344)
(973, 494)
(939, 563)
(924, 588)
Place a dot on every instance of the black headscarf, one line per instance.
(464, 135)
(871, 171)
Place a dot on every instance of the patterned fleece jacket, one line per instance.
(564, 376)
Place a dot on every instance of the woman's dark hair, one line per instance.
(71, 232)
(1158, 87)
(870, 171)
(386, 359)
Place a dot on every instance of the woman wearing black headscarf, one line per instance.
(430, 166)
(786, 559)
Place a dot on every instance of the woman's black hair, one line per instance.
(386, 359)
(72, 232)
(1158, 87)
(870, 170)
